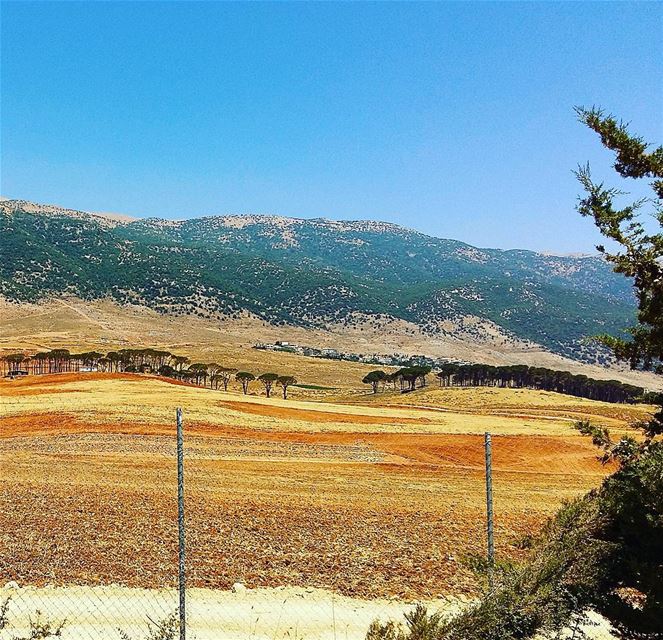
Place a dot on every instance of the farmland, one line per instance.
(366, 496)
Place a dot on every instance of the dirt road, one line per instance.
(283, 613)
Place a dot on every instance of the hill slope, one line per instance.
(311, 273)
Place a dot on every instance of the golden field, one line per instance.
(366, 495)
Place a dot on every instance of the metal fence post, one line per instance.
(489, 509)
(180, 524)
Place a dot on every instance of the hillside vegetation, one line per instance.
(312, 273)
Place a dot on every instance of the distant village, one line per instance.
(391, 360)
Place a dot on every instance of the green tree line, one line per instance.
(512, 377)
(147, 360)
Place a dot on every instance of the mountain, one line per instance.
(312, 273)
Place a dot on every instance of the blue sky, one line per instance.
(452, 118)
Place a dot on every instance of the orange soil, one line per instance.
(39, 381)
(523, 454)
(312, 415)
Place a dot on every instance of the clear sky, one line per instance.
(452, 118)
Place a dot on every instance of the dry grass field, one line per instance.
(524, 404)
(103, 325)
(381, 496)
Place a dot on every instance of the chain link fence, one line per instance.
(76, 554)
(304, 536)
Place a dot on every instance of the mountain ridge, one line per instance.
(311, 272)
(237, 220)
(241, 220)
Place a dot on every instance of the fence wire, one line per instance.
(288, 535)
(281, 544)
(80, 559)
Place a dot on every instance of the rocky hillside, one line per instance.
(311, 273)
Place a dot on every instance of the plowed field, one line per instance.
(367, 500)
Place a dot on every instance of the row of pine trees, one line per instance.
(147, 360)
(406, 379)
(512, 377)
